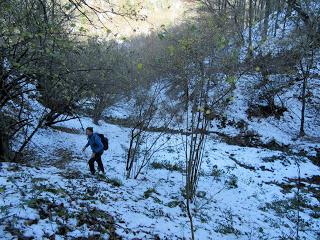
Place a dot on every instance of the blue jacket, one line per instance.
(95, 143)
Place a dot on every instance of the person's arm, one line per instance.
(84, 148)
(97, 141)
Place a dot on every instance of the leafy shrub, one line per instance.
(168, 166)
(226, 226)
(216, 173)
(116, 182)
(232, 182)
(173, 203)
(149, 192)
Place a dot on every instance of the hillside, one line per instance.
(211, 110)
(248, 186)
(243, 192)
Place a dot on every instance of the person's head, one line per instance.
(89, 131)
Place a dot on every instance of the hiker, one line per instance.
(97, 148)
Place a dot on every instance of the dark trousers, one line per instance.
(97, 159)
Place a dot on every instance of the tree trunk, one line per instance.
(190, 219)
(4, 141)
(266, 20)
(303, 108)
(250, 49)
(98, 110)
(276, 22)
(4, 147)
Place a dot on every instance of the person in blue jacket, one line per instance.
(97, 149)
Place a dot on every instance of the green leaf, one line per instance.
(161, 36)
(68, 6)
(231, 79)
(139, 66)
(193, 28)
(171, 49)
(200, 109)
(82, 29)
(16, 65)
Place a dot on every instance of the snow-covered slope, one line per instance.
(285, 129)
(243, 192)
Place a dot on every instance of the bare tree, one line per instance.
(144, 143)
(36, 47)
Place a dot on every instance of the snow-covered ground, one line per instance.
(283, 130)
(244, 192)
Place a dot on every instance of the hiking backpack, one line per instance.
(104, 141)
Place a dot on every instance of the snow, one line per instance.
(241, 186)
(244, 192)
(273, 44)
(143, 217)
